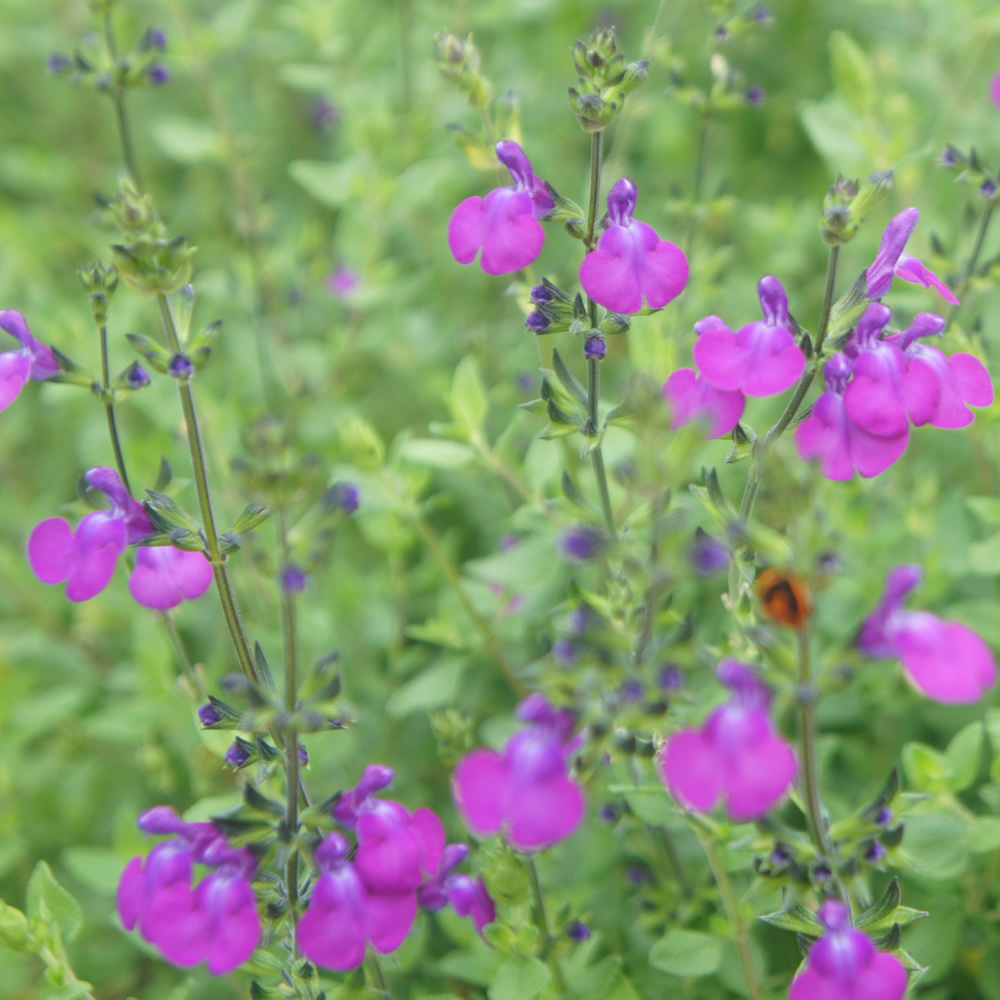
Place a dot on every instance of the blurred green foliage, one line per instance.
(297, 137)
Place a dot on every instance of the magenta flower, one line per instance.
(995, 90)
(893, 262)
(631, 263)
(943, 660)
(165, 576)
(692, 397)
(343, 281)
(469, 897)
(762, 359)
(525, 791)
(86, 559)
(344, 915)
(830, 436)
(33, 360)
(960, 381)
(845, 964)
(217, 922)
(736, 756)
(504, 224)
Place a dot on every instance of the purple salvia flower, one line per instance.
(537, 322)
(343, 281)
(504, 224)
(938, 389)
(159, 75)
(375, 778)
(893, 262)
(736, 756)
(692, 397)
(208, 715)
(395, 847)
(845, 963)
(469, 897)
(631, 264)
(762, 359)
(995, 90)
(237, 756)
(580, 544)
(830, 436)
(344, 916)
(32, 361)
(525, 791)
(165, 576)
(944, 660)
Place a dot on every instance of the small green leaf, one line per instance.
(687, 953)
(14, 932)
(520, 977)
(437, 454)
(886, 904)
(852, 73)
(569, 381)
(963, 756)
(795, 918)
(925, 767)
(467, 399)
(50, 903)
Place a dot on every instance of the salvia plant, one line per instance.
(641, 743)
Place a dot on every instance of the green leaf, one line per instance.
(984, 557)
(14, 931)
(438, 454)
(520, 977)
(984, 834)
(186, 140)
(333, 184)
(925, 767)
(98, 868)
(467, 399)
(852, 73)
(50, 903)
(569, 381)
(963, 756)
(687, 953)
(651, 804)
(795, 918)
(887, 912)
(987, 509)
(938, 844)
(432, 688)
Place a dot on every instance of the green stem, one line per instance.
(109, 410)
(970, 264)
(542, 923)
(594, 364)
(180, 654)
(227, 597)
(117, 94)
(699, 176)
(292, 780)
(732, 909)
(454, 579)
(810, 770)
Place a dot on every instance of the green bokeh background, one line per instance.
(94, 725)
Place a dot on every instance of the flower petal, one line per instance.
(759, 778)
(15, 369)
(823, 437)
(692, 770)
(663, 272)
(53, 551)
(332, 931)
(389, 919)
(513, 238)
(946, 661)
(911, 269)
(466, 230)
(101, 539)
(545, 812)
(480, 789)
(234, 923)
(177, 926)
(610, 275)
(884, 978)
(164, 576)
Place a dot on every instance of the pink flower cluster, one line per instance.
(845, 964)
(944, 660)
(879, 386)
(85, 559)
(216, 921)
(401, 860)
(524, 792)
(736, 756)
(761, 359)
(631, 266)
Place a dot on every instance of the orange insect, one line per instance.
(785, 597)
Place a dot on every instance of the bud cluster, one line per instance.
(604, 81)
(848, 202)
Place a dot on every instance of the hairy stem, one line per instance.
(732, 908)
(542, 923)
(117, 94)
(810, 771)
(234, 621)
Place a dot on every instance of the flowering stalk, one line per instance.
(594, 364)
(117, 93)
(542, 923)
(810, 772)
(970, 264)
(231, 612)
(729, 902)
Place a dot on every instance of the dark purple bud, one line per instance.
(884, 818)
(762, 15)
(580, 544)
(875, 854)
(526, 382)
(324, 114)
(540, 295)
(779, 857)
(208, 716)
(756, 96)
(564, 652)
(636, 875)
(158, 75)
(58, 64)
(988, 189)
(721, 33)
(303, 755)
(138, 377)
(537, 322)
(344, 496)
(595, 347)
(822, 872)
(180, 366)
(578, 931)
(580, 619)
(608, 813)
(293, 579)
(947, 157)
(508, 542)
(671, 678)
(708, 555)
(237, 756)
(157, 38)
(631, 691)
